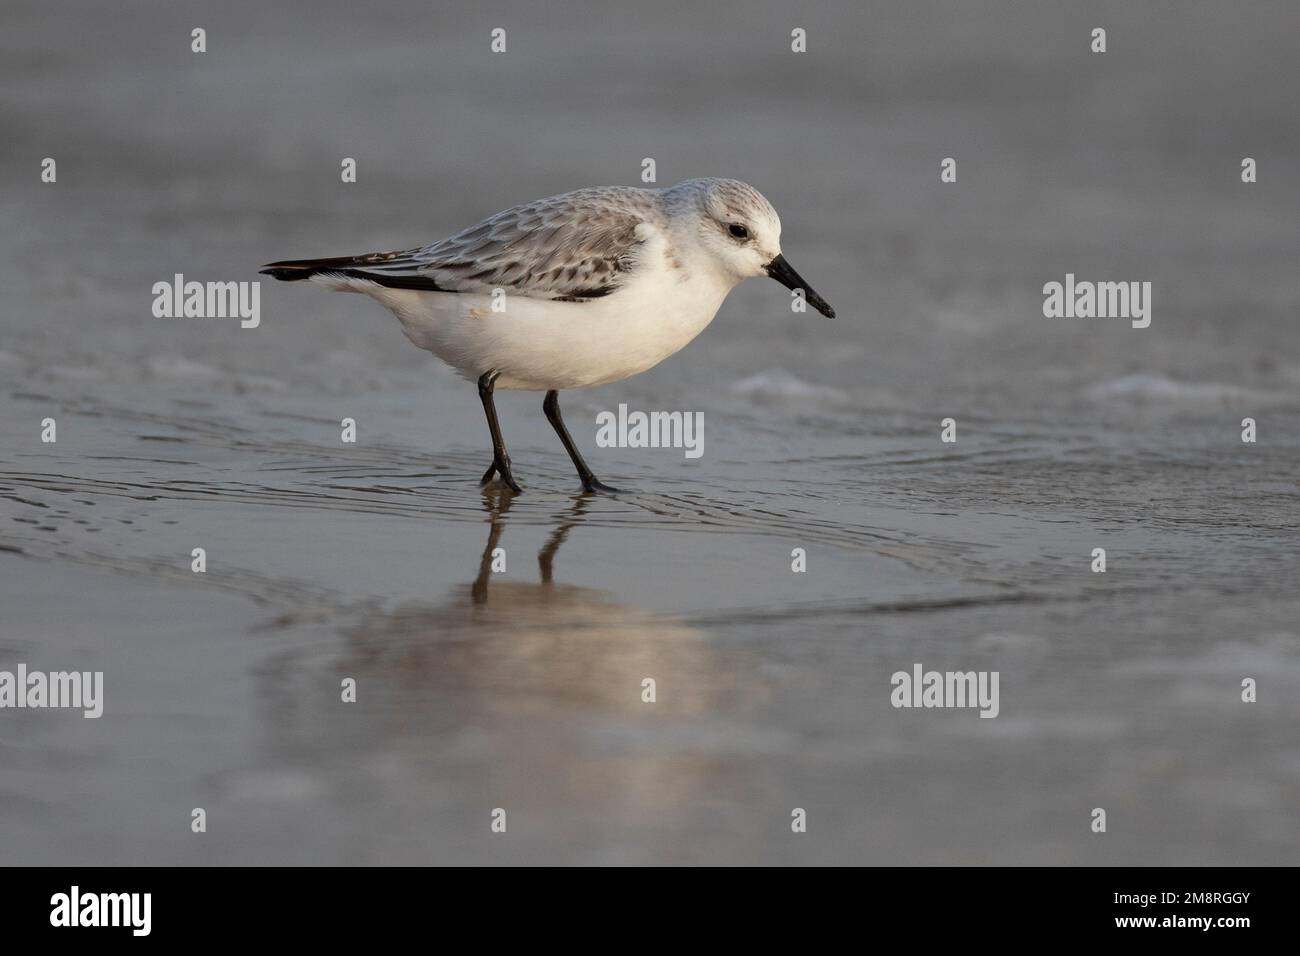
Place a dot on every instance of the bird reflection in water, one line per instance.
(530, 695)
(498, 505)
(543, 643)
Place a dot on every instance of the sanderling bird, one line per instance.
(581, 289)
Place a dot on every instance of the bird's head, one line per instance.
(739, 231)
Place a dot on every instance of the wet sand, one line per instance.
(521, 689)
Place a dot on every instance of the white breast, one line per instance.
(540, 344)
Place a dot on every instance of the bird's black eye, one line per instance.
(739, 231)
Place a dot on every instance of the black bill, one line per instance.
(784, 273)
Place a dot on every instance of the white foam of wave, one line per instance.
(175, 368)
(776, 384)
(1148, 386)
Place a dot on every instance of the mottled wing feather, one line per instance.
(577, 246)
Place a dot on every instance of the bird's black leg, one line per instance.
(500, 460)
(551, 405)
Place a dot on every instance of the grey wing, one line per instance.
(573, 247)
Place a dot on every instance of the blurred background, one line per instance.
(522, 689)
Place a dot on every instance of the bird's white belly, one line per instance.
(540, 344)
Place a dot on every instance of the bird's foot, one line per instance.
(592, 485)
(507, 479)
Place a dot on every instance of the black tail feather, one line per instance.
(294, 270)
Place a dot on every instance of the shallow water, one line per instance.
(522, 689)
